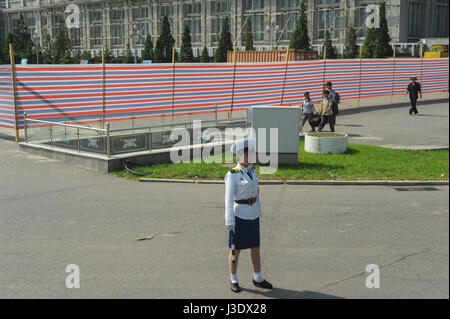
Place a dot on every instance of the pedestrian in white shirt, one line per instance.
(242, 212)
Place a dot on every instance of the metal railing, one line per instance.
(108, 131)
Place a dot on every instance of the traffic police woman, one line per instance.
(242, 212)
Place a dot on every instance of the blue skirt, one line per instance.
(246, 234)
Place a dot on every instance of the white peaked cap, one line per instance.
(243, 143)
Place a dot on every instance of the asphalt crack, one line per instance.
(382, 266)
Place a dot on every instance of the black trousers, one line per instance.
(306, 117)
(326, 119)
(413, 108)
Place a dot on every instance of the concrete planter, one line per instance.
(326, 145)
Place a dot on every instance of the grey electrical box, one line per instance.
(286, 121)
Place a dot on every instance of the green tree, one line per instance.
(225, 43)
(204, 58)
(62, 44)
(148, 53)
(129, 57)
(164, 44)
(383, 37)
(2, 55)
(47, 53)
(21, 39)
(66, 59)
(249, 36)
(329, 46)
(351, 48)
(186, 54)
(5, 48)
(109, 57)
(377, 42)
(300, 37)
(369, 43)
(85, 55)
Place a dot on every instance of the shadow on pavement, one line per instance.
(430, 115)
(387, 107)
(10, 137)
(350, 125)
(280, 293)
(353, 135)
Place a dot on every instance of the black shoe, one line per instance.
(264, 284)
(235, 287)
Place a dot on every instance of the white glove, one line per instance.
(230, 227)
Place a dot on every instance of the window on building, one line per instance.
(289, 4)
(96, 34)
(166, 11)
(288, 18)
(441, 21)
(222, 7)
(96, 27)
(252, 6)
(57, 18)
(117, 26)
(141, 19)
(329, 2)
(216, 27)
(75, 36)
(192, 9)
(192, 18)
(194, 25)
(288, 22)
(360, 22)
(330, 19)
(415, 23)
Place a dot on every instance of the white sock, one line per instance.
(258, 277)
(234, 279)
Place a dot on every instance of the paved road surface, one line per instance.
(316, 241)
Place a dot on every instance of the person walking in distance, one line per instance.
(308, 111)
(413, 90)
(326, 112)
(242, 212)
(335, 99)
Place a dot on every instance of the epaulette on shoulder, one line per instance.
(234, 170)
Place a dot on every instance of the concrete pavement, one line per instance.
(316, 240)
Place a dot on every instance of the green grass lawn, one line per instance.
(360, 162)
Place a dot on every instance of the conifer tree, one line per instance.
(385, 49)
(186, 54)
(204, 58)
(369, 43)
(249, 36)
(329, 46)
(129, 57)
(164, 44)
(225, 43)
(351, 48)
(148, 53)
(62, 44)
(300, 37)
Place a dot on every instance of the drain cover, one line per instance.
(416, 189)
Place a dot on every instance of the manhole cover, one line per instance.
(416, 189)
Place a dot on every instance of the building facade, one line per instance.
(109, 22)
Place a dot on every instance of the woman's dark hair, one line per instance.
(306, 93)
(326, 92)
